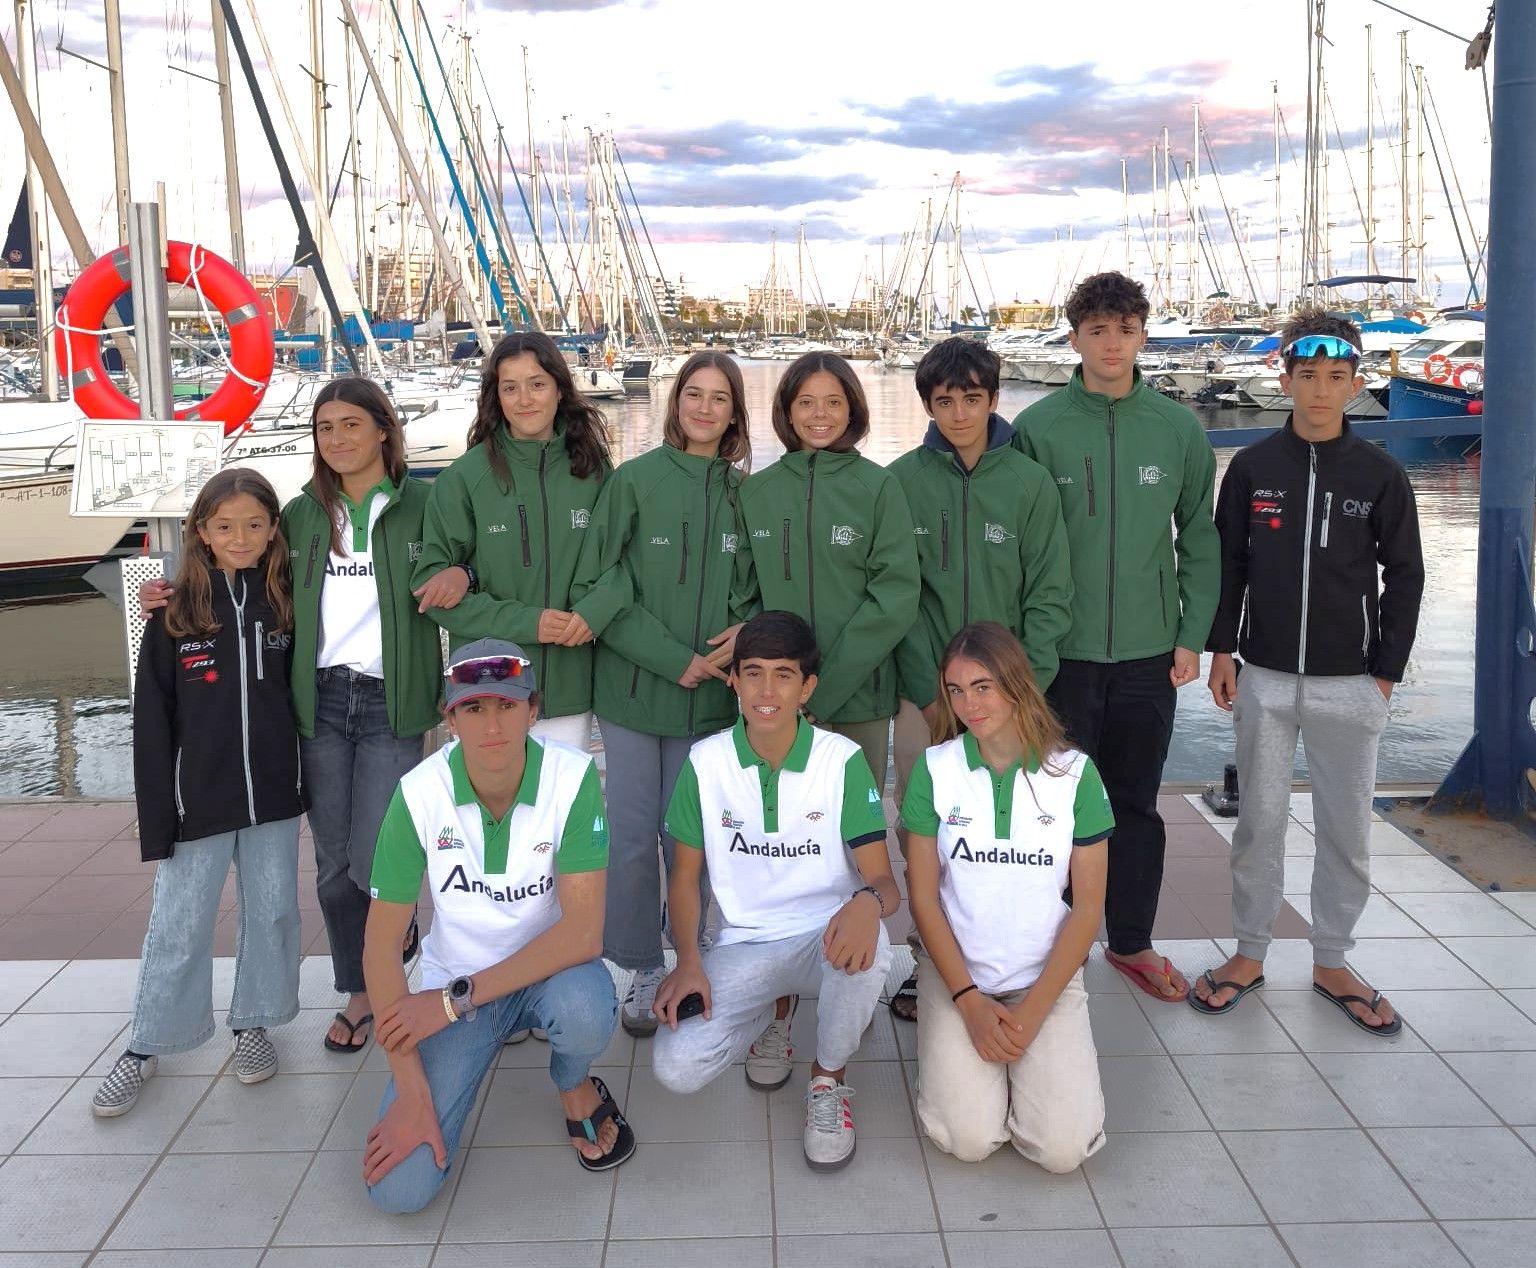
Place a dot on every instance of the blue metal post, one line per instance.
(1491, 774)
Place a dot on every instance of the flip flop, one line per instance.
(1200, 1006)
(906, 993)
(587, 1128)
(1140, 976)
(1343, 1002)
(352, 1028)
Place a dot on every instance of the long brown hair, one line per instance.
(735, 444)
(369, 397)
(800, 369)
(190, 611)
(997, 651)
(586, 430)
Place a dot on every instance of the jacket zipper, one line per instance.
(1365, 629)
(810, 522)
(1088, 469)
(1109, 612)
(1162, 594)
(314, 551)
(944, 540)
(1327, 516)
(245, 697)
(786, 550)
(181, 810)
(1306, 560)
(965, 546)
(259, 643)
(634, 683)
(548, 580)
(682, 571)
(387, 629)
(522, 516)
(698, 607)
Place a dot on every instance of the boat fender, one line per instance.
(1437, 368)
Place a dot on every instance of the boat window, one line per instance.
(1472, 348)
(1421, 348)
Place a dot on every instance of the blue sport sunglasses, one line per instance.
(1328, 345)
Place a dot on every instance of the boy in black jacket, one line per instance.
(1305, 517)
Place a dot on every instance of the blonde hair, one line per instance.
(997, 651)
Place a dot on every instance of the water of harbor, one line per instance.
(65, 715)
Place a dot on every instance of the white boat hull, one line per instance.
(40, 538)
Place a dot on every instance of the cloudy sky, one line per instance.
(739, 121)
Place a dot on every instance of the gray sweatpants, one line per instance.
(745, 978)
(1340, 721)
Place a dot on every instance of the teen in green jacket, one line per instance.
(656, 578)
(1136, 477)
(516, 509)
(831, 541)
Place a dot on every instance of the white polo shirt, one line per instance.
(493, 880)
(1005, 851)
(777, 841)
(350, 631)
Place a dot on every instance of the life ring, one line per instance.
(1413, 314)
(1274, 360)
(1465, 370)
(1437, 368)
(77, 336)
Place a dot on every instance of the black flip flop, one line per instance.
(1200, 1006)
(352, 1028)
(587, 1128)
(906, 991)
(1343, 1002)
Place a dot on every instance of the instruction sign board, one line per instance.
(141, 468)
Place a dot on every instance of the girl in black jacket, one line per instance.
(216, 777)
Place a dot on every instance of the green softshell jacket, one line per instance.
(1136, 478)
(524, 543)
(413, 661)
(992, 547)
(655, 583)
(831, 541)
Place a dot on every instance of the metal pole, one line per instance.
(152, 334)
(119, 115)
(227, 123)
(1493, 773)
(37, 204)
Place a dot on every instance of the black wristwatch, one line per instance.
(461, 993)
(474, 578)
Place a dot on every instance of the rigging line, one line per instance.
(1455, 219)
(1338, 135)
(1242, 257)
(1480, 244)
(618, 154)
(1422, 21)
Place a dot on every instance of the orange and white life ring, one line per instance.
(1274, 360)
(1437, 368)
(77, 338)
(1413, 314)
(1469, 375)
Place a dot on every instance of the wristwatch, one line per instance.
(460, 993)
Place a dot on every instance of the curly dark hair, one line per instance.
(1319, 321)
(1107, 293)
(958, 363)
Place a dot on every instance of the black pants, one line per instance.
(1121, 715)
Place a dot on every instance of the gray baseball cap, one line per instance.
(488, 667)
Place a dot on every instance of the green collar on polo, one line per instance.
(798, 757)
(1002, 784)
(496, 831)
(357, 512)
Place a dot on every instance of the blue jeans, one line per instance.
(351, 768)
(173, 1010)
(578, 1009)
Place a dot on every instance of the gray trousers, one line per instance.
(642, 771)
(1340, 721)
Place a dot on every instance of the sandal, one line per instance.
(1141, 975)
(903, 1001)
(1214, 1010)
(587, 1128)
(1392, 1028)
(352, 1028)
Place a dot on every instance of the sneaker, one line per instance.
(120, 1089)
(639, 1015)
(255, 1057)
(829, 1138)
(770, 1059)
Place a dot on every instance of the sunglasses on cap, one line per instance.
(1328, 345)
(486, 669)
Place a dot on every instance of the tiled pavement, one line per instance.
(1279, 1135)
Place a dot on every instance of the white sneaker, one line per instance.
(829, 1138)
(639, 1015)
(120, 1089)
(771, 1058)
(255, 1057)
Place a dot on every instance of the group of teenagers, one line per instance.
(1007, 611)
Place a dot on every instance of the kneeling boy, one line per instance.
(789, 821)
(511, 834)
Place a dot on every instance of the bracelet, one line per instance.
(964, 990)
(870, 889)
(448, 1008)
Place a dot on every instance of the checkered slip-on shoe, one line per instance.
(120, 1089)
(255, 1057)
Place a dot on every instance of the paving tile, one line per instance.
(1506, 1080)
(46, 858)
(1254, 1092)
(555, 1199)
(523, 1108)
(76, 893)
(71, 1128)
(123, 938)
(711, 1252)
(1005, 1192)
(21, 979)
(43, 1259)
(18, 891)
(856, 1250)
(695, 1190)
(42, 937)
(285, 1114)
(1494, 1243)
(1098, 977)
(301, 1048)
(1383, 917)
(88, 986)
(1458, 1021)
(620, 1051)
(1184, 1163)
(332, 1206)
(1302, 1176)
(881, 1106)
(64, 1203)
(1464, 1173)
(1147, 1094)
(247, 1257)
(1198, 875)
(1200, 1248)
(215, 1200)
(358, 1113)
(1120, 1028)
(1419, 874)
(1522, 903)
(883, 1190)
(1388, 839)
(1500, 961)
(510, 1255)
(20, 818)
(55, 1043)
(85, 821)
(1407, 964)
(24, 1103)
(1417, 1245)
(1405, 1089)
(358, 1257)
(1175, 920)
(1078, 1248)
(1463, 915)
(1317, 1026)
(1182, 1030)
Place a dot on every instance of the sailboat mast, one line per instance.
(403, 260)
(119, 115)
(1279, 297)
(535, 199)
(355, 166)
(1194, 221)
(1167, 221)
(227, 124)
(1418, 185)
(1370, 152)
(322, 171)
(1125, 212)
(37, 207)
(1404, 131)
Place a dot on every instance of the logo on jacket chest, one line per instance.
(580, 517)
(727, 543)
(1357, 509)
(1150, 475)
(1266, 509)
(845, 535)
(996, 534)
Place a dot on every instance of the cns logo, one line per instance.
(1356, 509)
(996, 534)
(844, 535)
(446, 840)
(580, 517)
(1150, 475)
(728, 820)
